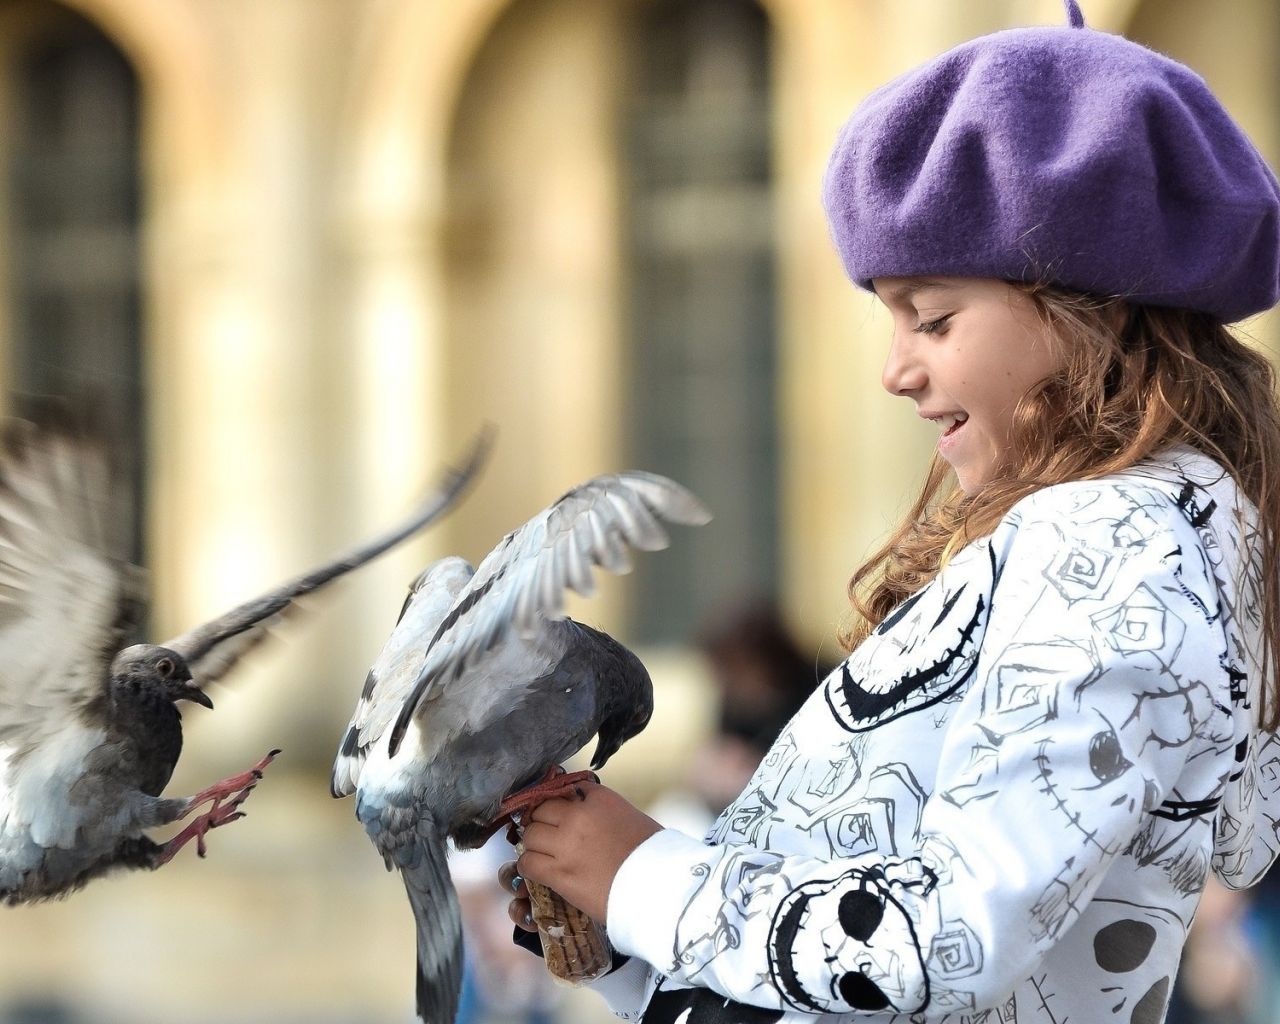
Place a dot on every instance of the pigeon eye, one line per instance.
(165, 667)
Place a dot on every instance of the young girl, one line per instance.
(1057, 715)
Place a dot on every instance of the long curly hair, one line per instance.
(1137, 380)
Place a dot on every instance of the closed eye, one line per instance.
(932, 326)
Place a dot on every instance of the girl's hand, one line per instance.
(576, 846)
(520, 910)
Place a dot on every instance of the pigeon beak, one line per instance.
(198, 696)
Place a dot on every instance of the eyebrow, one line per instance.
(904, 292)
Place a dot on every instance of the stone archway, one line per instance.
(181, 142)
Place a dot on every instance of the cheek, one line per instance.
(999, 385)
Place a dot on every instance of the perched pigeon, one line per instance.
(90, 732)
(485, 685)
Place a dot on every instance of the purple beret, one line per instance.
(1065, 155)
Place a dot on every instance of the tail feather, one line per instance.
(439, 926)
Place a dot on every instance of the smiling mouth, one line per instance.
(950, 424)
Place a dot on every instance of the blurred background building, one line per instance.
(301, 249)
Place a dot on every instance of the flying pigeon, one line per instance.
(484, 686)
(89, 728)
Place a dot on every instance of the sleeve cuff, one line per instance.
(650, 892)
(624, 988)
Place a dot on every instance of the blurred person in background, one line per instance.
(1260, 923)
(501, 983)
(762, 677)
(1221, 979)
(760, 672)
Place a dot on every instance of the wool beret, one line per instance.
(1058, 154)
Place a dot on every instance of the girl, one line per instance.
(1057, 715)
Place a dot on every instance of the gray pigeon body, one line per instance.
(485, 684)
(90, 730)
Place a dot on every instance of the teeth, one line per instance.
(947, 422)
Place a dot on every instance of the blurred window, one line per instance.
(72, 212)
(702, 317)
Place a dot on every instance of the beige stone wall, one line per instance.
(370, 225)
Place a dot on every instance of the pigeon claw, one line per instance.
(201, 848)
(556, 783)
(234, 790)
(243, 782)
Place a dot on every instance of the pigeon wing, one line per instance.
(213, 648)
(396, 669)
(523, 580)
(68, 602)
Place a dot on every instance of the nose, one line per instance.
(903, 372)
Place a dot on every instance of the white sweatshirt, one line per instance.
(1004, 805)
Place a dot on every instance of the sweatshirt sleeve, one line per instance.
(1098, 675)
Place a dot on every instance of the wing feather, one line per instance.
(396, 669)
(68, 600)
(579, 573)
(213, 648)
(522, 581)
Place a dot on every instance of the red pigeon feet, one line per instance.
(236, 789)
(556, 783)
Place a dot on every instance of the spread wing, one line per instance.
(396, 670)
(67, 601)
(523, 580)
(213, 648)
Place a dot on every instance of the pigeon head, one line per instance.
(148, 666)
(628, 695)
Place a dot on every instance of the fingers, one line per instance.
(549, 826)
(520, 910)
(509, 878)
(553, 811)
(521, 914)
(541, 867)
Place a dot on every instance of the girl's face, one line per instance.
(965, 350)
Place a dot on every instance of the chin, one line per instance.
(973, 479)
(967, 481)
